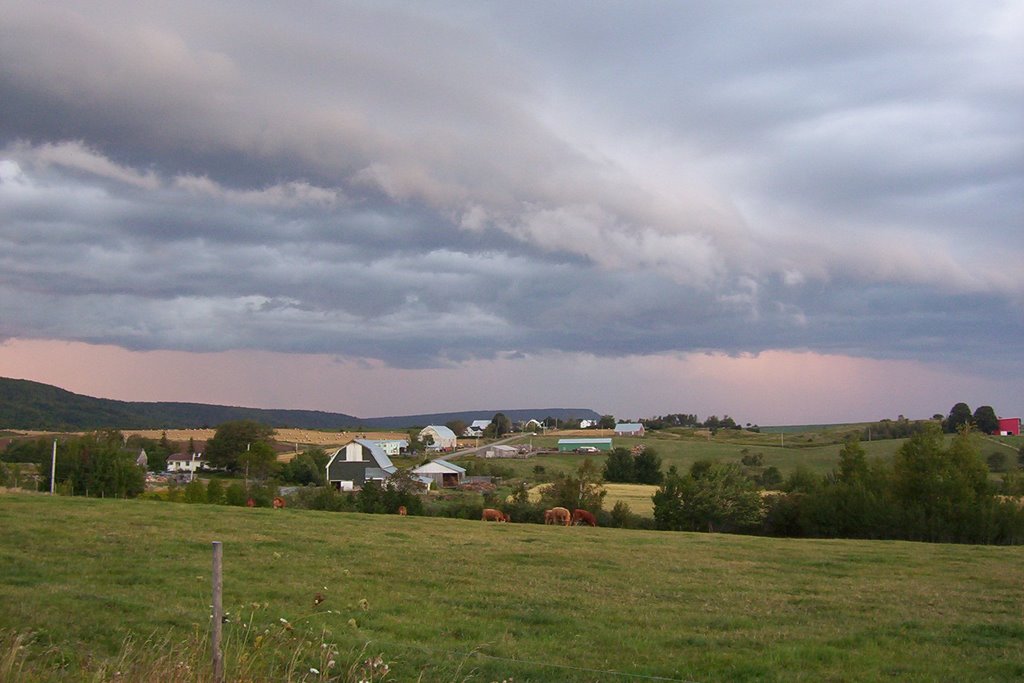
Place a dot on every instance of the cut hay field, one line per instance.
(637, 496)
(457, 600)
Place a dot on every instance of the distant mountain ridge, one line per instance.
(25, 404)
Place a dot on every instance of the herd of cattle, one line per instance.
(557, 515)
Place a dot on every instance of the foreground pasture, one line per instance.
(454, 600)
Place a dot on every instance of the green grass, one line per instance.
(465, 600)
(817, 451)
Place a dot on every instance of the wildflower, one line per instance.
(330, 663)
(352, 623)
(313, 670)
(364, 604)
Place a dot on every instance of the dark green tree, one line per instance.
(580, 490)
(606, 422)
(647, 467)
(985, 420)
(501, 425)
(959, 416)
(713, 497)
(853, 462)
(308, 468)
(458, 427)
(668, 502)
(619, 466)
(940, 489)
(259, 461)
(233, 440)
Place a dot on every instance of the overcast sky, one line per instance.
(786, 212)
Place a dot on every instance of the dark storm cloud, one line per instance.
(430, 185)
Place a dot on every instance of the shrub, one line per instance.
(998, 462)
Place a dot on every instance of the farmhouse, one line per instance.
(444, 438)
(442, 472)
(1008, 426)
(629, 429)
(393, 446)
(356, 463)
(186, 462)
(584, 445)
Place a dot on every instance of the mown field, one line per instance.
(455, 600)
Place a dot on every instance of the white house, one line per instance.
(587, 424)
(444, 438)
(186, 462)
(356, 463)
(442, 472)
(393, 447)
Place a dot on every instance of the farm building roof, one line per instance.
(443, 465)
(629, 427)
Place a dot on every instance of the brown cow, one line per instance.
(558, 515)
(278, 503)
(583, 517)
(492, 515)
(402, 511)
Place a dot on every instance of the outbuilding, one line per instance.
(444, 439)
(1008, 426)
(629, 429)
(443, 473)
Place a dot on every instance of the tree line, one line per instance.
(931, 490)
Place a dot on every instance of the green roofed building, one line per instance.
(584, 445)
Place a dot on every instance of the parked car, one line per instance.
(587, 449)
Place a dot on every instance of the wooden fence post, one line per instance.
(218, 612)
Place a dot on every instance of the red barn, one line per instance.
(1009, 426)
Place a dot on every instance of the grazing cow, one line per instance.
(402, 511)
(492, 515)
(583, 517)
(278, 503)
(558, 515)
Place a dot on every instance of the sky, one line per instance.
(784, 212)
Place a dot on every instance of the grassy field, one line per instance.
(455, 600)
(815, 451)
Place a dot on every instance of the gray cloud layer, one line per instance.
(430, 184)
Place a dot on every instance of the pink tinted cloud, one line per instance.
(775, 387)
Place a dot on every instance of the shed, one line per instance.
(501, 451)
(442, 472)
(1009, 426)
(629, 429)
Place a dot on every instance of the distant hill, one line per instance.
(32, 405)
